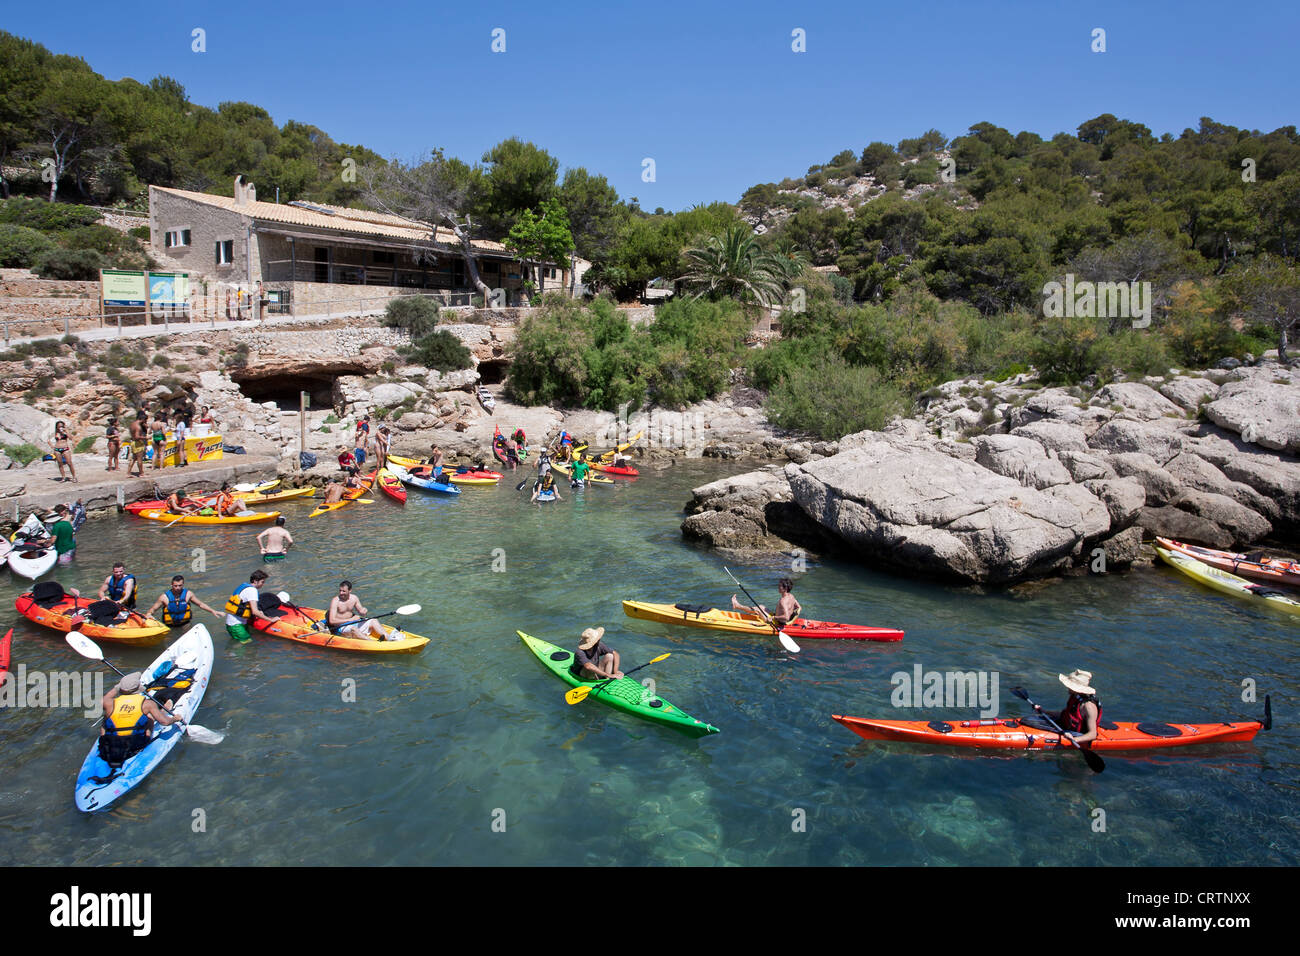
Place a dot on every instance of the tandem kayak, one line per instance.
(348, 496)
(1016, 734)
(391, 486)
(303, 624)
(428, 484)
(625, 694)
(248, 517)
(246, 497)
(25, 560)
(1254, 565)
(98, 784)
(736, 622)
(620, 472)
(1226, 583)
(50, 606)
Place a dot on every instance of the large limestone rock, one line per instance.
(1020, 458)
(1161, 489)
(22, 424)
(918, 509)
(1054, 435)
(392, 393)
(1138, 401)
(753, 511)
(1189, 393)
(1195, 472)
(1260, 410)
(1242, 524)
(1123, 435)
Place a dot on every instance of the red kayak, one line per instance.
(457, 471)
(736, 622)
(626, 471)
(1254, 565)
(4, 654)
(1016, 734)
(391, 486)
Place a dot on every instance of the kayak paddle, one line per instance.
(88, 648)
(404, 610)
(1094, 761)
(578, 694)
(786, 640)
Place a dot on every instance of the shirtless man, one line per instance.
(787, 608)
(275, 542)
(179, 504)
(137, 445)
(348, 617)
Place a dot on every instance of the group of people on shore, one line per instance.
(142, 432)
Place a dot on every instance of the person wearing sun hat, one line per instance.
(594, 659)
(1082, 713)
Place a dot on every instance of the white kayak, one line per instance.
(98, 784)
(30, 564)
(486, 400)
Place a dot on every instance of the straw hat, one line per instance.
(1078, 681)
(591, 637)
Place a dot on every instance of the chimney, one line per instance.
(245, 192)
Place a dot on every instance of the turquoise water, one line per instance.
(438, 746)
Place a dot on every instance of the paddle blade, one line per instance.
(1094, 761)
(245, 487)
(84, 646)
(283, 596)
(787, 642)
(577, 695)
(408, 609)
(202, 735)
(1268, 712)
(1020, 692)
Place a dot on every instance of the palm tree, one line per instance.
(733, 266)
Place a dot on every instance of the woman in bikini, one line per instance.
(113, 434)
(62, 445)
(159, 439)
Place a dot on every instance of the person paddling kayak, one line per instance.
(175, 602)
(129, 717)
(787, 608)
(179, 504)
(544, 485)
(594, 659)
(1082, 713)
(347, 616)
(119, 587)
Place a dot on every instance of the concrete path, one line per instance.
(111, 333)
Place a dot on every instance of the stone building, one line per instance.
(302, 256)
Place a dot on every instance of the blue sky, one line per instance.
(712, 92)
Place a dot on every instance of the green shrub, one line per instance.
(140, 232)
(86, 445)
(24, 454)
(415, 313)
(440, 350)
(81, 264)
(46, 216)
(21, 246)
(834, 399)
(161, 359)
(331, 419)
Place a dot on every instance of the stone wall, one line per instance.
(207, 225)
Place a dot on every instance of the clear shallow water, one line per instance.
(416, 770)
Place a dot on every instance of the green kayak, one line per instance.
(624, 693)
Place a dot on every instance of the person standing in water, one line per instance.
(275, 542)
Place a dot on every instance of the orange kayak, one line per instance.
(348, 496)
(302, 624)
(61, 612)
(1014, 734)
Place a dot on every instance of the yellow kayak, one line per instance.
(449, 469)
(566, 468)
(607, 457)
(1226, 583)
(286, 494)
(256, 517)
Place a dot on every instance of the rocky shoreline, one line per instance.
(1001, 483)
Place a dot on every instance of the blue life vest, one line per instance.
(178, 610)
(117, 588)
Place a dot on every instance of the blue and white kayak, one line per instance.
(428, 484)
(98, 784)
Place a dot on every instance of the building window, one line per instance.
(383, 258)
(490, 266)
(225, 252)
(176, 238)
